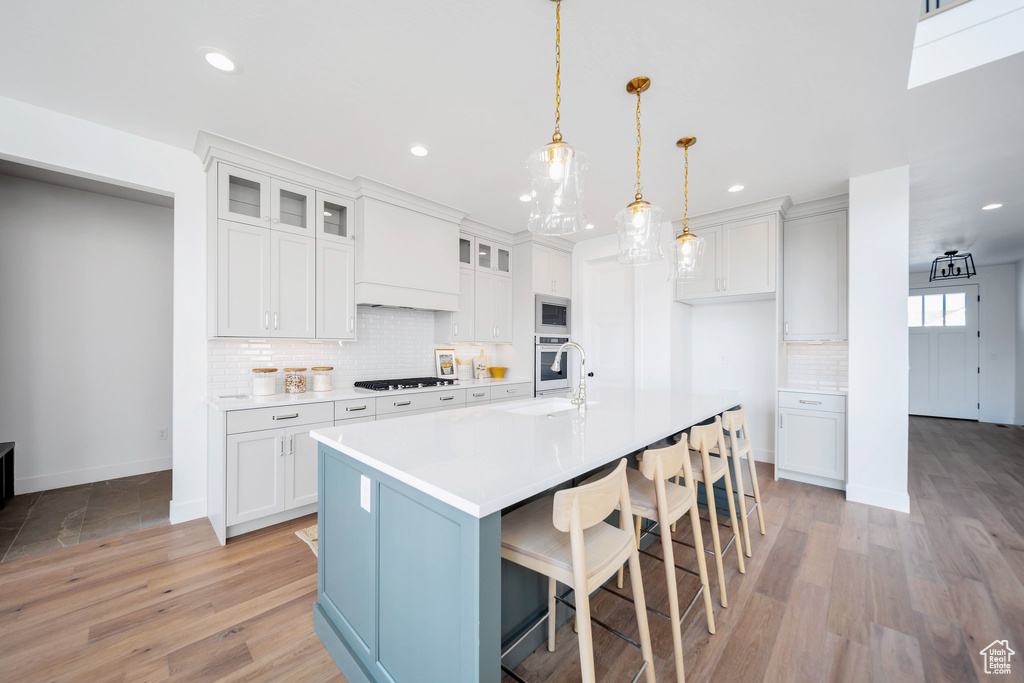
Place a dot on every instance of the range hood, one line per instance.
(406, 256)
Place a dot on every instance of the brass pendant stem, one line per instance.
(557, 137)
(686, 143)
(638, 85)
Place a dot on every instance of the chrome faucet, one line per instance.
(580, 397)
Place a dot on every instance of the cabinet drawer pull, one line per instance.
(811, 403)
(447, 398)
(403, 403)
(352, 409)
(480, 395)
(285, 417)
(511, 391)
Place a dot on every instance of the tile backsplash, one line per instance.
(817, 365)
(393, 342)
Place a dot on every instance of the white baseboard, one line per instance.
(270, 520)
(187, 511)
(764, 456)
(893, 500)
(813, 479)
(45, 482)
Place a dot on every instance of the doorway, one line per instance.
(943, 326)
(607, 306)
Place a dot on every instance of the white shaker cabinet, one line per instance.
(335, 290)
(243, 280)
(493, 257)
(552, 271)
(243, 196)
(493, 308)
(458, 326)
(812, 438)
(292, 286)
(300, 465)
(255, 474)
(739, 261)
(814, 275)
(291, 208)
(335, 218)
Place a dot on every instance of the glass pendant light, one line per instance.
(557, 169)
(640, 222)
(688, 248)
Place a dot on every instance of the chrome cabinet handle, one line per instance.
(478, 395)
(352, 324)
(511, 391)
(285, 417)
(811, 403)
(275, 320)
(266, 320)
(718, 281)
(787, 327)
(724, 286)
(277, 220)
(281, 452)
(403, 403)
(447, 398)
(266, 218)
(291, 445)
(352, 409)
(780, 421)
(456, 329)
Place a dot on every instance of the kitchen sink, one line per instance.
(541, 407)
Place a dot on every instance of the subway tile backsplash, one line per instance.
(393, 342)
(817, 365)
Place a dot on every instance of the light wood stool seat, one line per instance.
(717, 466)
(742, 446)
(645, 499)
(565, 538)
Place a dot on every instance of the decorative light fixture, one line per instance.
(689, 248)
(952, 266)
(557, 169)
(640, 222)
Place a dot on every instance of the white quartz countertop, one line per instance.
(838, 391)
(483, 459)
(244, 401)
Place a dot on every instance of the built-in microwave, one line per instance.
(553, 315)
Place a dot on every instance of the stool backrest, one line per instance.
(735, 420)
(704, 437)
(587, 505)
(664, 463)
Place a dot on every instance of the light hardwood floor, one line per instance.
(835, 591)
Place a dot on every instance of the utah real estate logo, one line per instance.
(997, 657)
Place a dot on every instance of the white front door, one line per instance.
(608, 312)
(943, 324)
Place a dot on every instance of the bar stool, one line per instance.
(734, 422)
(709, 470)
(565, 538)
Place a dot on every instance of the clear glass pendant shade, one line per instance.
(689, 256)
(557, 171)
(639, 225)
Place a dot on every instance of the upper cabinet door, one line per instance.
(709, 284)
(243, 280)
(749, 249)
(483, 307)
(561, 273)
(462, 319)
(291, 208)
(292, 285)
(335, 218)
(335, 290)
(243, 196)
(814, 269)
(467, 246)
(493, 256)
(502, 310)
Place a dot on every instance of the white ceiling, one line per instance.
(791, 97)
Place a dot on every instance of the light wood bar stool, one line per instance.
(565, 538)
(734, 422)
(709, 470)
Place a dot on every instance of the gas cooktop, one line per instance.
(408, 383)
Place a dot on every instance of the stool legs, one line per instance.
(640, 604)
(744, 526)
(552, 584)
(709, 490)
(673, 592)
(757, 492)
(702, 565)
(732, 519)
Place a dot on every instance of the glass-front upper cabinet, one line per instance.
(291, 207)
(335, 217)
(494, 257)
(243, 196)
(466, 244)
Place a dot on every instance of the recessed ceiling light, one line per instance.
(524, 198)
(419, 150)
(219, 60)
(589, 226)
(737, 188)
(989, 207)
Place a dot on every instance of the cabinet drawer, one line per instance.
(827, 402)
(354, 420)
(426, 401)
(478, 395)
(505, 392)
(356, 407)
(284, 416)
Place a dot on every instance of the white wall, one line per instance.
(878, 403)
(85, 299)
(1020, 345)
(997, 347)
(734, 349)
(41, 137)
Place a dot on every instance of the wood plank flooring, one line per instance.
(835, 591)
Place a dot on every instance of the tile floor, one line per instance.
(35, 522)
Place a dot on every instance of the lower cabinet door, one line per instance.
(813, 442)
(300, 479)
(255, 474)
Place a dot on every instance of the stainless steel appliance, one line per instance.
(410, 383)
(548, 382)
(552, 315)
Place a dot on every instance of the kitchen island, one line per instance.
(410, 584)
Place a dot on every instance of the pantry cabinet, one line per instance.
(739, 261)
(493, 308)
(335, 290)
(552, 271)
(814, 276)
